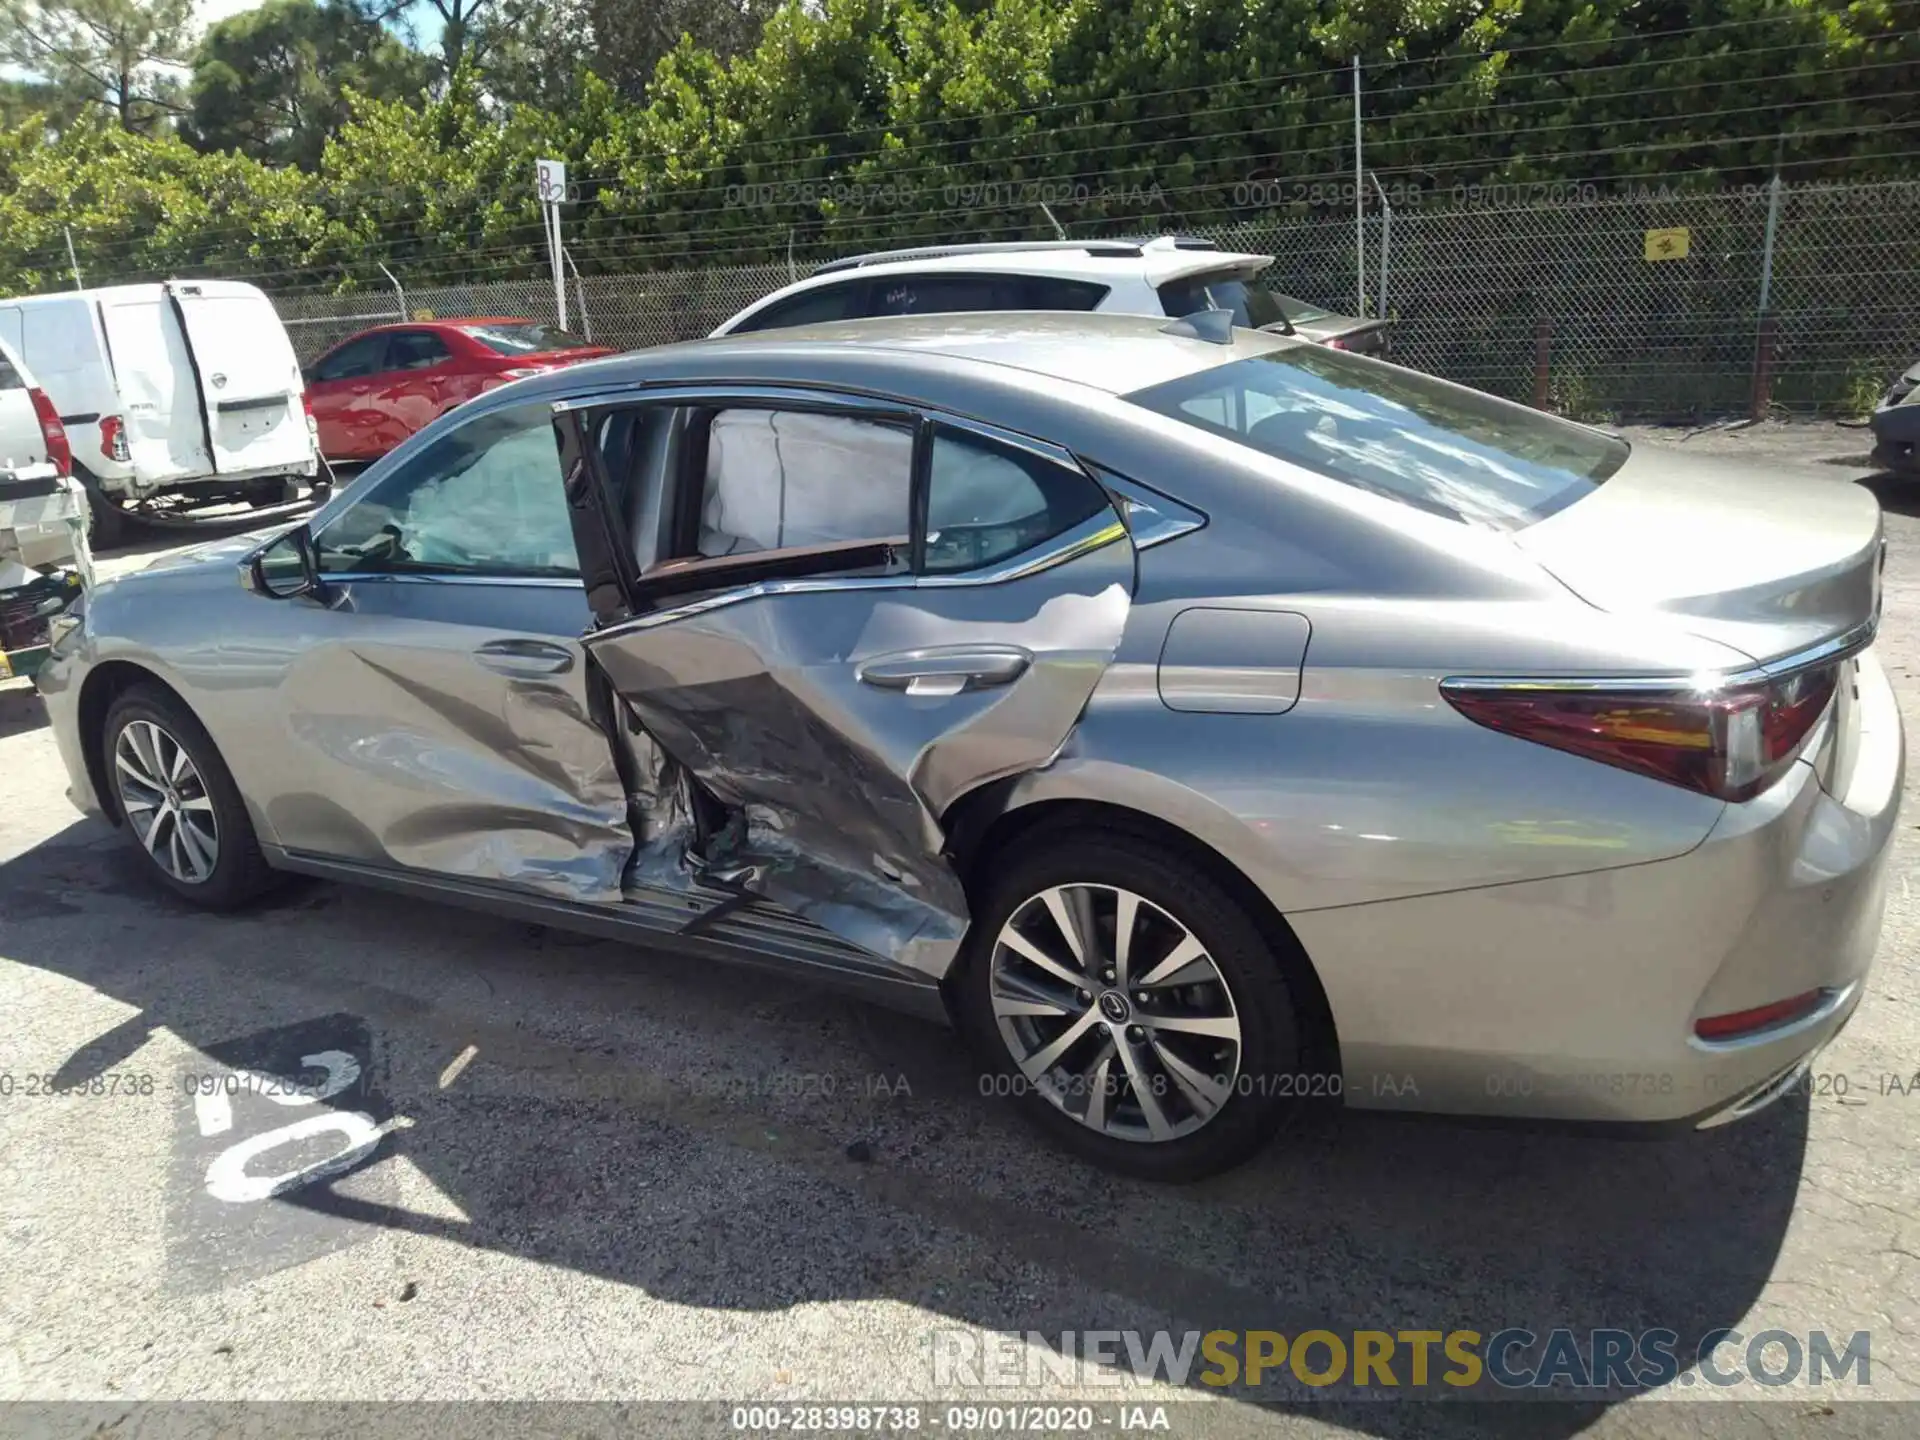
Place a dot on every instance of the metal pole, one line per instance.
(1359, 198)
(1386, 244)
(400, 294)
(1766, 253)
(553, 255)
(1059, 230)
(1768, 329)
(580, 289)
(71, 259)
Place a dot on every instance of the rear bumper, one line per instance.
(1575, 998)
(125, 487)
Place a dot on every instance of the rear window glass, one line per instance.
(1393, 432)
(524, 338)
(1252, 306)
(811, 307)
(1050, 293)
(10, 377)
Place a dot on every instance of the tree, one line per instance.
(458, 20)
(534, 52)
(112, 54)
(272, 82)
(55, 108)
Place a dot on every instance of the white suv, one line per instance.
(1172, 275)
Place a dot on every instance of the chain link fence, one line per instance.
(1645, 306)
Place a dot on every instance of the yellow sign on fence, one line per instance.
(1667, 244)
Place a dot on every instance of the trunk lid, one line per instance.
(1765, 560)
(1362, 337)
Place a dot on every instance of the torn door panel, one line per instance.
(835, 724)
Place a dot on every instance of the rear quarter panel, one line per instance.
(1372, 787)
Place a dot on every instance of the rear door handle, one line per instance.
(947, 671)
(525, 659)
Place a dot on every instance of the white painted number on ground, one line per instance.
(227, 1177)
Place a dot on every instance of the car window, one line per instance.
(783, 479)
(1252, 307)
(524, 337)
(1438, 447)
(812, 307)
(1047, 292)
(987, 502)
(10, 377)
(947, 294)
(365, 356)
(484, 499)
(415, 350)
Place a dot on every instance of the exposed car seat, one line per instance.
(778, 479)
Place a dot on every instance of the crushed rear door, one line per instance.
(835, 722)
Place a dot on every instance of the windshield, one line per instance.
(524, 337)
(1252, 307)
(1397, 433)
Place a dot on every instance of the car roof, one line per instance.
(440, 322)
(1109, 352)
(1155, 263)
(141, 291)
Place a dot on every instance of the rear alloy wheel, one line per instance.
(1132, 1006)
(178, 803)
(1147, 1051)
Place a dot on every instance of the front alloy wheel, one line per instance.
(166, 802)
(1114, 1012)
(177, 800)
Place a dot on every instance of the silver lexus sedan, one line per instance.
(1206, 722)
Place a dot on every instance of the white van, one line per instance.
(174, 395)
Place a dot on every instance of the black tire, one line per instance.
(279, 490)
(1268, 1082)
(239, 872)
(106, 522)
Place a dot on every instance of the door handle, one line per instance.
(947, 671)
(525, 659)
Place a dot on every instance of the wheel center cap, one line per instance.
(1114, 1006)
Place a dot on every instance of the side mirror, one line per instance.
(285, 568)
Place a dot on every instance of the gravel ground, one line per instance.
(608, 1175)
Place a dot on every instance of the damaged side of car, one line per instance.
(819, 622)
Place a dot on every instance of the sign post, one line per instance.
(550, 182)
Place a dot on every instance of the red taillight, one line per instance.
(306, 404)
(1730, 743)
(1762, 1017)
(59, 452)
(113, 438)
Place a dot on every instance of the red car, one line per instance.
(374, 389)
